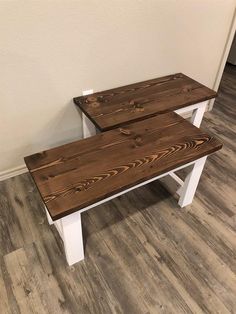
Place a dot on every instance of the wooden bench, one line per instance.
(81, 175)
(117, 107)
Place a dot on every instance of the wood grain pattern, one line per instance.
(143, 255)
(119, 106)
(111, 162)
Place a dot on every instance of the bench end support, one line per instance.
(191, 182)
(71, 231)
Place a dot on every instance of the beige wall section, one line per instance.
(52, 50)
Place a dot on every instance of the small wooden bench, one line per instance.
(81, 175)
(117, 107)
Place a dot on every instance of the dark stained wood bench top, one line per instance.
(76, 175)
(122, 105)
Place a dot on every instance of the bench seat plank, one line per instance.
(119, 106)
(76, 175)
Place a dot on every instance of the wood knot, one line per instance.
(27, 291)
(138, 107)
(138, 140)
(125, 131)
(186, 89)
(91, 98)
(94, 104)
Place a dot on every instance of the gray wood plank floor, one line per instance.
(143, 253)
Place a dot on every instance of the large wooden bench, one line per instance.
(81, 175)
(117, 107)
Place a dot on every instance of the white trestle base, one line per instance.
(70, 227)
(197, 112)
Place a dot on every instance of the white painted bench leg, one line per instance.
(198, 114)
(88, 127)
(191, 182)
(71, 231)
(50, 221)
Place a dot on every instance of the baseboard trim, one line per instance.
(12, 172)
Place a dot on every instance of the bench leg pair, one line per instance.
(70, 227)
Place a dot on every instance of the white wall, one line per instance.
(52, 50)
